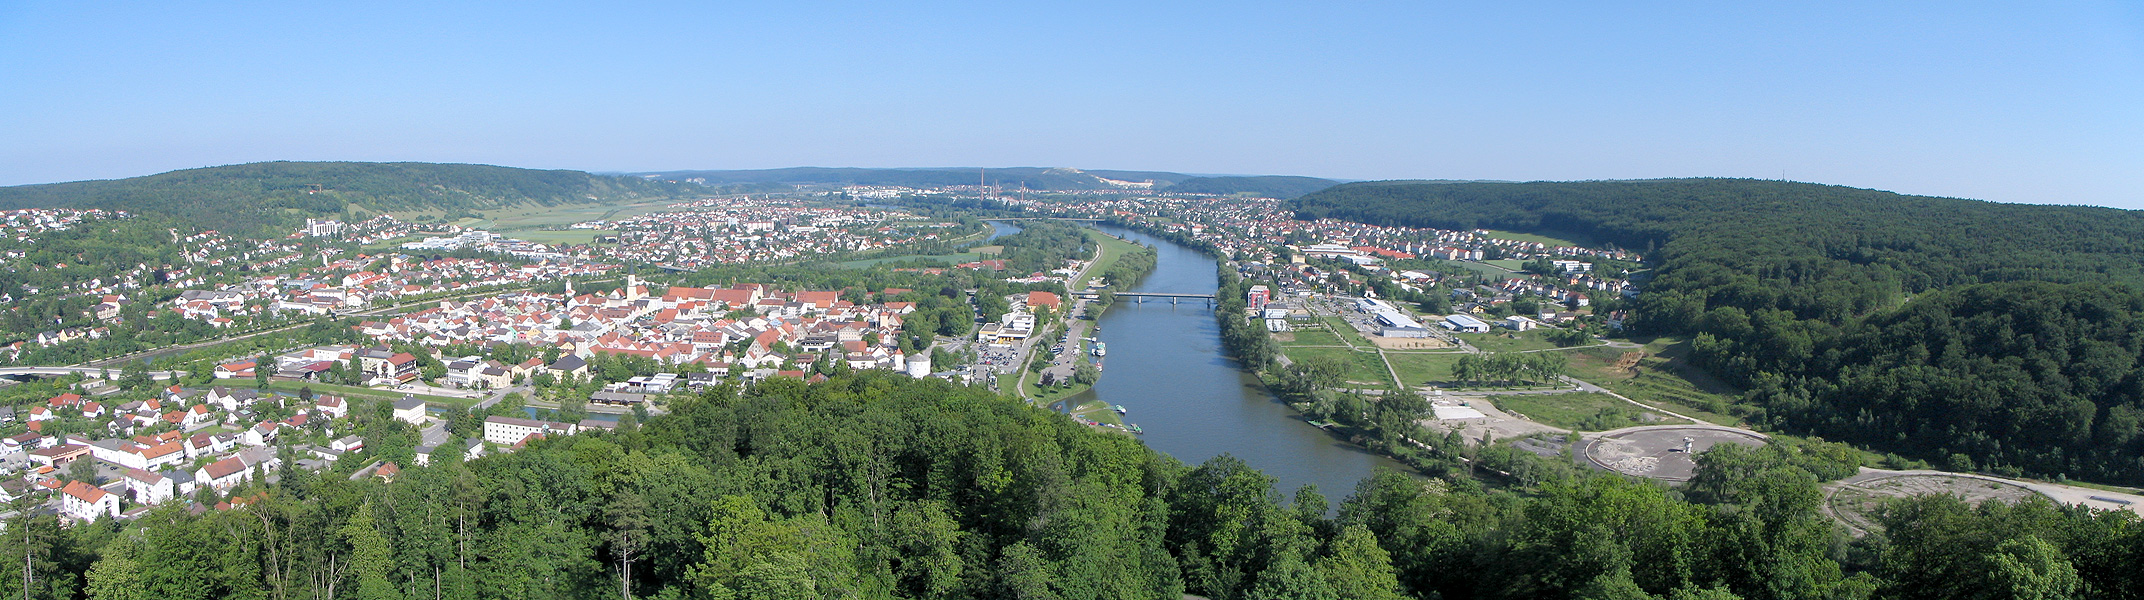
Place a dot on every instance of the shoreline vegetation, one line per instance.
(1122, 264)
(1386, 425)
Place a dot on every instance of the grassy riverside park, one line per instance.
(1312, 337)
(1364, 370)
(1505, 341)
(1418, 369)
(1574, 410)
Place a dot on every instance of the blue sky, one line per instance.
(2014, 102)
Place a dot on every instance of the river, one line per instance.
(1166, 367)
(1000, 229)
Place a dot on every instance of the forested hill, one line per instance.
(1270, 186)
(271, 196)
(1995, 336)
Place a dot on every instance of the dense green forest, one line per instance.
(1980, 335)
(875, 485)
(271, 197)
(1270, 186)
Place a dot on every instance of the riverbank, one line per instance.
(1075, 325)
(1167, 367)
(1246, 340)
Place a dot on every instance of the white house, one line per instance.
(149, 488)
(120, 452)
(198, 416)
(410, 410)
(261, 434)
(209, 445)
(507, 431)
(85, 502)
(223, 474)
(230, 399)
(348, 444)
(163, 455)
(333, 406)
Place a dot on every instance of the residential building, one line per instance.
(509, 431)
(410, 410)
(84, 502)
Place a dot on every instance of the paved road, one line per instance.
(90, 371)
(1588, 387)
(1076, 329)
(2064, 494)
(1066, 363)
(501, 394)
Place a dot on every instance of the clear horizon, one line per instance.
(2027, 104)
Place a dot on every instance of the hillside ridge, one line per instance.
(259, 198)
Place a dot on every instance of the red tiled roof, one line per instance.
(84, 491)
(224, 468)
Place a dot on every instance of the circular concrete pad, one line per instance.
(1659, 452)
(1855, 499)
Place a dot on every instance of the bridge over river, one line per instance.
(1174, 297)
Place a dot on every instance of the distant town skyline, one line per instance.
(2011, 103)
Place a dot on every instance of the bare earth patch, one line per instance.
(1663, 453)
(1494, 424)
(1393, 343)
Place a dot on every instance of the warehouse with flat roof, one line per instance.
(1465, 323)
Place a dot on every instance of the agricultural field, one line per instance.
(1528, 237)
(1508, 263)
(1579, 411)
(1485, 269)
